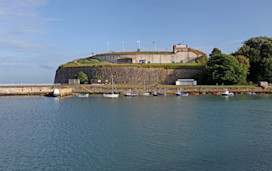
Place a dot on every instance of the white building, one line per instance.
(186, 82)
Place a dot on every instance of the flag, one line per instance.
(138, 41)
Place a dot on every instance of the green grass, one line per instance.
(91, 61)
(97, 63)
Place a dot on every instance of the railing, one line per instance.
(29, 85)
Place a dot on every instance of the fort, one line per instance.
(180, 54)
(136, 67)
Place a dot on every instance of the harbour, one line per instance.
(145, 133)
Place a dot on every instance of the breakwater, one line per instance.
(33, 90)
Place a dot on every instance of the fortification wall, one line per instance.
(128, 75)
(152, 57)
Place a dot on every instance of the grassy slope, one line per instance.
(89, 62)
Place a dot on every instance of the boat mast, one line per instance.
(112, 84)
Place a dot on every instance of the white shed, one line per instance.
(186, 82)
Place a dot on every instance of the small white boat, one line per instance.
(145, 94)
(179, 93)
(82, 95)
(145, 89)
(110, 94)
(56, 92)
(227, 93)
(129, 94)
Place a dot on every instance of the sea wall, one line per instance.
(33, 90)
(169, 90)
(128, 75)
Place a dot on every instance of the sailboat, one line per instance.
(112, 93)
(145, 93)
(129, 94)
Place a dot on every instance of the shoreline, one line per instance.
(100, 89)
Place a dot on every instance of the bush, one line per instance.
(82, 77)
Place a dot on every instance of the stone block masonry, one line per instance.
(128, 75)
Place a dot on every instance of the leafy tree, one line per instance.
(244, 61)
(266, 69)
(82, 77)
(215, 51)
(202, 59)
(225, 69)
(256, 50)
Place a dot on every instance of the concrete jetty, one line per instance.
(32, 89)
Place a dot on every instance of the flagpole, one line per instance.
(139, 44)
(108, 43)
(154, 42)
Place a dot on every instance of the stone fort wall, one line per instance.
(128, 75)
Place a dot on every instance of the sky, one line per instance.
(37, 36)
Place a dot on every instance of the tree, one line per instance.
(226, 69)
(266, 70)
(244, 61)
(256, 50)
(82, 77)
(215, 51)
(202, 59)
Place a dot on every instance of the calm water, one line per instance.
(143, 133)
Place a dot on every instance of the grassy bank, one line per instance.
(96, 63)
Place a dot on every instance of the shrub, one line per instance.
(82, 77)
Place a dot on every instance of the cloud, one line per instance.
(52, 19)
(16, 45)
(14, 9)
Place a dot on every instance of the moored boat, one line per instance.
(217, 93)
(112, 93)
(144, 94)
(158, 94)
(227, 93)
(249, 93)
(82, 95)
(56, 92)
(194, 93)
(129, 94)
(179, 93)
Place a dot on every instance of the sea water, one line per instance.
(142, 133)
